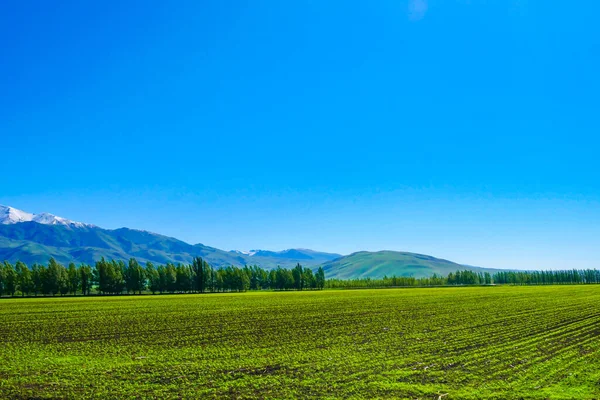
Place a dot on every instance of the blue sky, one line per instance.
(464, 129)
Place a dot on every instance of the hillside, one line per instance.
(366, 264)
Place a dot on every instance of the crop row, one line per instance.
(490, 342)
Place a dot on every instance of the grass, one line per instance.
(468, 343)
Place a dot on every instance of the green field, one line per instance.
(480, 342)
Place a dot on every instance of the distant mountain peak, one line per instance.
(296, 254)
(10, 215)
(245, 252)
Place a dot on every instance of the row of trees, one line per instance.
(51, 279)
(394, 281)
(467, 277)
(558, 277)
(115, 277)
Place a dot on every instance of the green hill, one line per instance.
(364, 264)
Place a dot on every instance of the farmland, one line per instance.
(467, 343)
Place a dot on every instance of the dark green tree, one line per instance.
(135, 277)
(24, 278)
(170, 278)
(102, 275)
(10, 279)
(86, 278)
(153, 278)
(54, 278)
(308, 279)
(320, 278)
(297, 273)
(184, 278)
(198, 270)
(37, 273)
(73, 279)
(2, 279)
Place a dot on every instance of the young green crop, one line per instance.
(490, 342)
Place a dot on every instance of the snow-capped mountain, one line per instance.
(246, 253)
(289, 254)
(11, 215)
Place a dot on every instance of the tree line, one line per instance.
(555, 277)
(117, 277)
(467, 277)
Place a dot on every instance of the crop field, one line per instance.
(447, 343)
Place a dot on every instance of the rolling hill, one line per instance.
(378, 264)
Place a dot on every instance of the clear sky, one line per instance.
(463, 129)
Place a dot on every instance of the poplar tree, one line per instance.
(36, 279)
(54, 278)
(2, 279)
(24, 278)
(85, 278)
(320, 278)
(73, 278)
(10, 279)
(298, 276)
(198, 269)
(153, 278)
(135, 279)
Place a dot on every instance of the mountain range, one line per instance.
(34, 238)
(10, 215)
